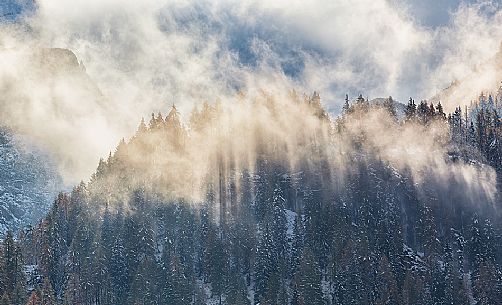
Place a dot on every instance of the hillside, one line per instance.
(29, 182)
(239, 206)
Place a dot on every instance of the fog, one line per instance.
(132, 58)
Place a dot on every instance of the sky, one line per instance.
(376, 48)
(432, 13)
(146, 55)
(428, 12)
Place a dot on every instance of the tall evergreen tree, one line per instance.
(310, 281)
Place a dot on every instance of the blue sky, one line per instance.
(10, 9)
(429, 12)
(433, 12)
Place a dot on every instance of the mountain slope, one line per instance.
(28, 183)
(269, 201)
(48, 95)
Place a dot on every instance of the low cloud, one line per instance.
(138, 57)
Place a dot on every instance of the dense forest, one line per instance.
(270, 200)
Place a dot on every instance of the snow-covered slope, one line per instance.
(28, 182)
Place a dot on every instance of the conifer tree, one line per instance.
(47, 296)
(387, 289)
(346, 105)
(12, 274)
(143, 287)
(390, 107)
(439, 111)
(142, 129)
(236, 290)
(265, 260)
(34, 298)
(5, 300)
(73, 292)
(410, 110)
(310, 280)
(297, 244)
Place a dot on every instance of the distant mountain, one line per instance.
(28, 183)
(56, 64)
(50, 96)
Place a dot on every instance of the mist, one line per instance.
(223, 146)
(128, 59)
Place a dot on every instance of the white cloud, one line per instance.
(146, 54)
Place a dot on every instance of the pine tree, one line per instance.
(346, 105)
(314, 230)
(159, 120)
(103, 258)
(476, 243)
(439, 111)
(176, 287)
(236, 290)
(487, 287)
(142, 129)
(262, 197)
(219, 265)
(414, 291)
(411, 109)
(272, 292)
(436, 280)
(457, 126)
(432, 111)
(388, 105)
(132, 249)
(12, 275)
(81, 258)
(74, 293)
(297, 244)
(423, 112)
(279, 224)
(143, 288)
(153, 122)
(428, 231)
(471, 139)
(47, 296)
(175, 129)
(118, 271)
(206, 238)
(387, 289)
(265, 264)
(454, 286)
(310, 280)
(5, 300)
(34, 298)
